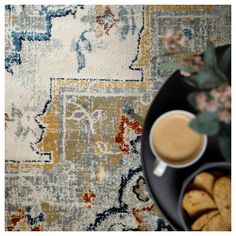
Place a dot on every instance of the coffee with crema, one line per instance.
(174, 141)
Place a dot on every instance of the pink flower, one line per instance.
(222, 100)
(225, 98)
(174, 42)
(215, 94)
(211, 106)
(228, 90)
(222, 96)
(225, 116)
(201, 100)
(227, 104)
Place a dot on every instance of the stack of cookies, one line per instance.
(208, 202)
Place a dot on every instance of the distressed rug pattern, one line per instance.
(72, 153)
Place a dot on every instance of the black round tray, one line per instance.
(165, 190)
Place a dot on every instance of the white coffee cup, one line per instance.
(162, 164)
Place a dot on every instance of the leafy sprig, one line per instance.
(211, 78)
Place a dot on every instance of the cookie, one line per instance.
(196, 202)
(216, 223)
(204, 181)
(201, 221)
(222, 196)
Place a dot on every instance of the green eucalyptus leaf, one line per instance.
(176, 66)
(225, 61)
(225, 146)
(206, 123)
(210, 59)
(189, 81)
(210, 76)
(221, 76)
(205, 79)
(192, 99)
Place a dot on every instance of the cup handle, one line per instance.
(159, 169)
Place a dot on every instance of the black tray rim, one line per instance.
(142, 155)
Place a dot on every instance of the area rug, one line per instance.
(72, 153)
